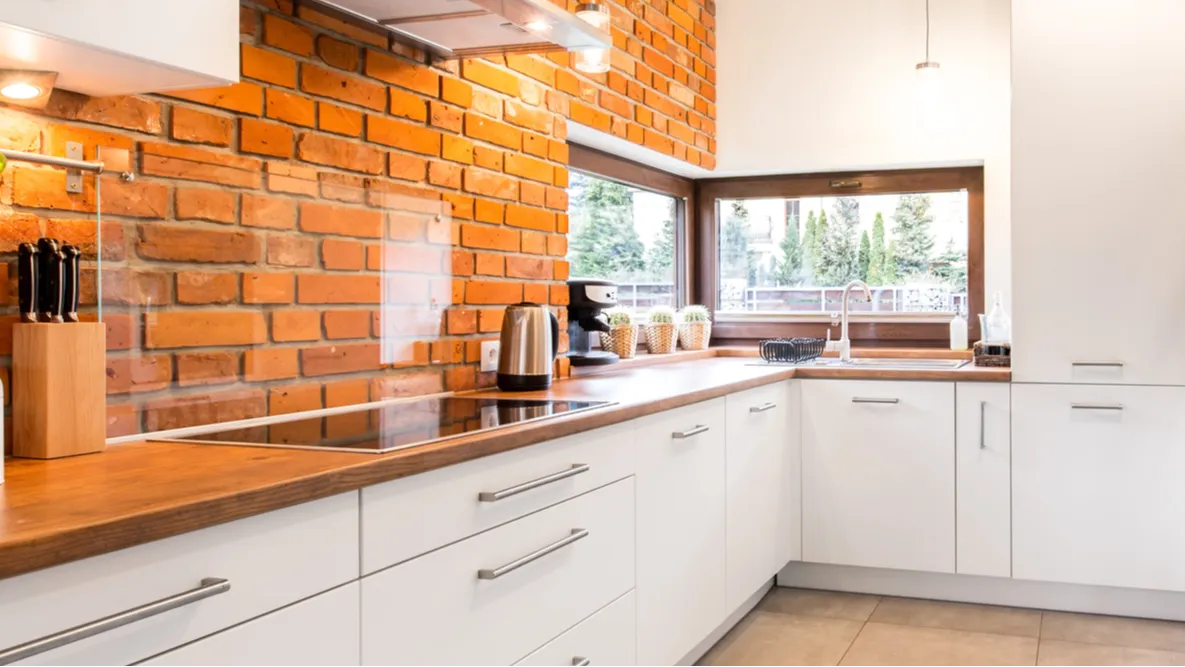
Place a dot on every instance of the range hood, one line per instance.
(471, 28)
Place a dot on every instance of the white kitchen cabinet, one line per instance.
(763, 491)
(605, 638)
(878, 462)
(1097, 202)
(681, 530)
(495, 597)
(983, 477)
(1097, 492)
(117, 47)
(270, 560)
(322, 630)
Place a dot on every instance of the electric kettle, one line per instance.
(529, 344)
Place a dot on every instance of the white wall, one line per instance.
(830, 85)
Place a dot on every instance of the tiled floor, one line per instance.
(802, 627)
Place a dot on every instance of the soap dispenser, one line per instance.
(998, 324)
(958, 332)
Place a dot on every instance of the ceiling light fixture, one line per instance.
(26, 88)
(593, 61)
(20, 90)
(927, 68)
(538, 25)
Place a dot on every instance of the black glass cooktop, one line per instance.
(386, 428)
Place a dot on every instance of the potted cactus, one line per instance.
(661, 332)
(695, 328)
(622, 337)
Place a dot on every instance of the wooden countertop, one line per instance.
(53, 512)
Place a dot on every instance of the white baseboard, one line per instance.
(733, 618)
(987, 590)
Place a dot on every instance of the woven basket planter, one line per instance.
(695, 335)
(661, 338)
(621, 340)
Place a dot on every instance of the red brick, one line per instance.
(528, 167)
(294, 398)
(203, 328)
(290, 107)
(286, 35)
(407, 105)
(138, 374)
(325, 82)
(444, 175)
(489, 158)
(534, 243)
(76, 232)
(342, 324)
(405, 258)
(340, 120)
(533, 66)
(488, 211)
(295, 325)
(291, 178)
(199, 127)
(532, 194)
(455, 91)
(486, 129)
(341, 255)
(347, 221)
(457, 149)
(414, 138)
(242, 97)
(290, 250)
(206, 368)
(270, 212)
(407, 384)
(268, 288)
(264, 138)
(531, 268)
(493, 292)
(489, 264)
(196, 164)
(273, 363)
(192, 244)
(493, 238)
(402, 73)
(490, 184)
(197, 409)
(461, 321)
(484, 74)
(125, 111)
(337, 53)
(524, 116)
(490, 320)
(348, 155)
(267, 66)
(407, 167)
(347, 358)
(205, 204)
(450, 118)
(202, 288)
(359, 33)
(337, 288)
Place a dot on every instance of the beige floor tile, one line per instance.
(1057, 652)
(784, 639)
(884, 644)
(959, 616)
(1113, 631)
(828, 604)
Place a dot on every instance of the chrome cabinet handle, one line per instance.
(576, 535)
(1096, 406)
(680, 435)
(763, 408)
(1098, 364)
(982, 425)
(581, 662)
(209, 587)
(886, 401)
(494, 496)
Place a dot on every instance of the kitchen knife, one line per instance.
(26, 271)
(71, 271)
(49, 280)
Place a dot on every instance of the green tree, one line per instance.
(735, 259)
(810, 240)
(865, 258)
(892, 272)
(821, 231)
(838, 261)
(951, 267)
(790, 266)
(605, 243)
(660, 259)
(911, 232)
(876, 255)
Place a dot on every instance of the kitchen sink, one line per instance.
(910, 364)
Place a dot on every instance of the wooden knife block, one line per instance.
(59, 389)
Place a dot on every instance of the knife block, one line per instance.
(59, 389)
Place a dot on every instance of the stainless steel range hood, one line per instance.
(469, 28)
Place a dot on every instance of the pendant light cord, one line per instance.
(927, 30)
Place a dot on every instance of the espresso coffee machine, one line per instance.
(587, 300)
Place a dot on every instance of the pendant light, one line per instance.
(927, 69)
(593, 61)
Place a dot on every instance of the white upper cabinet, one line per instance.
(116, 47)
(1098, 211)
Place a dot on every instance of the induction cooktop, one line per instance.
(387, 428)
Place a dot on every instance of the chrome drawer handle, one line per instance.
(1096, 406)
(681, 435)
(763, 408)
(577, 535)
(1098, 364)
(494, 496)
(885, 401)
(982, 425)
(581, 662)
(210, 587)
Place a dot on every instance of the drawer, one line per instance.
(270, 561)
(396, 527)
(468, 604)
(605, 638)
(322, 630)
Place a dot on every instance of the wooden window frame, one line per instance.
(883, 333)
(627, 172)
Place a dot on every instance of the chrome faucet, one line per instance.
(845, 344)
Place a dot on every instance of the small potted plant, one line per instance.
(622, 337)
(695, 329)
(661, 332)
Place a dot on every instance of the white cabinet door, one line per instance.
(681, 530)
(789, 503)
(878, 483)
(1097, 490)
(983, 479)
(322, 630)
(605, 638)
(1098, 211)
(759, 445)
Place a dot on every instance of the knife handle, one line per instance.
(71, 271)
(26, 271)
(57, 304)
(49, 283)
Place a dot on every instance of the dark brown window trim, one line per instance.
(868, 182)
(615, 168)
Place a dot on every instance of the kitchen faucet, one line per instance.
(845, 344)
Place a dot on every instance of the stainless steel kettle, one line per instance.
(528, 348)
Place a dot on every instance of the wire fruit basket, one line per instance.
(792, 350)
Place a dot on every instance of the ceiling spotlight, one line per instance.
(26, 88)
(20, 90)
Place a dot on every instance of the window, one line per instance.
(785, 247)
(627, 235)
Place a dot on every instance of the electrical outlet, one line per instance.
(489, 355)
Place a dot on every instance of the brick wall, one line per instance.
(346, 224)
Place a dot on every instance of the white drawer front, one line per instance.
(605, 638)
(436, 609)
(271, 560)
(322, 630)
(396, 527)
